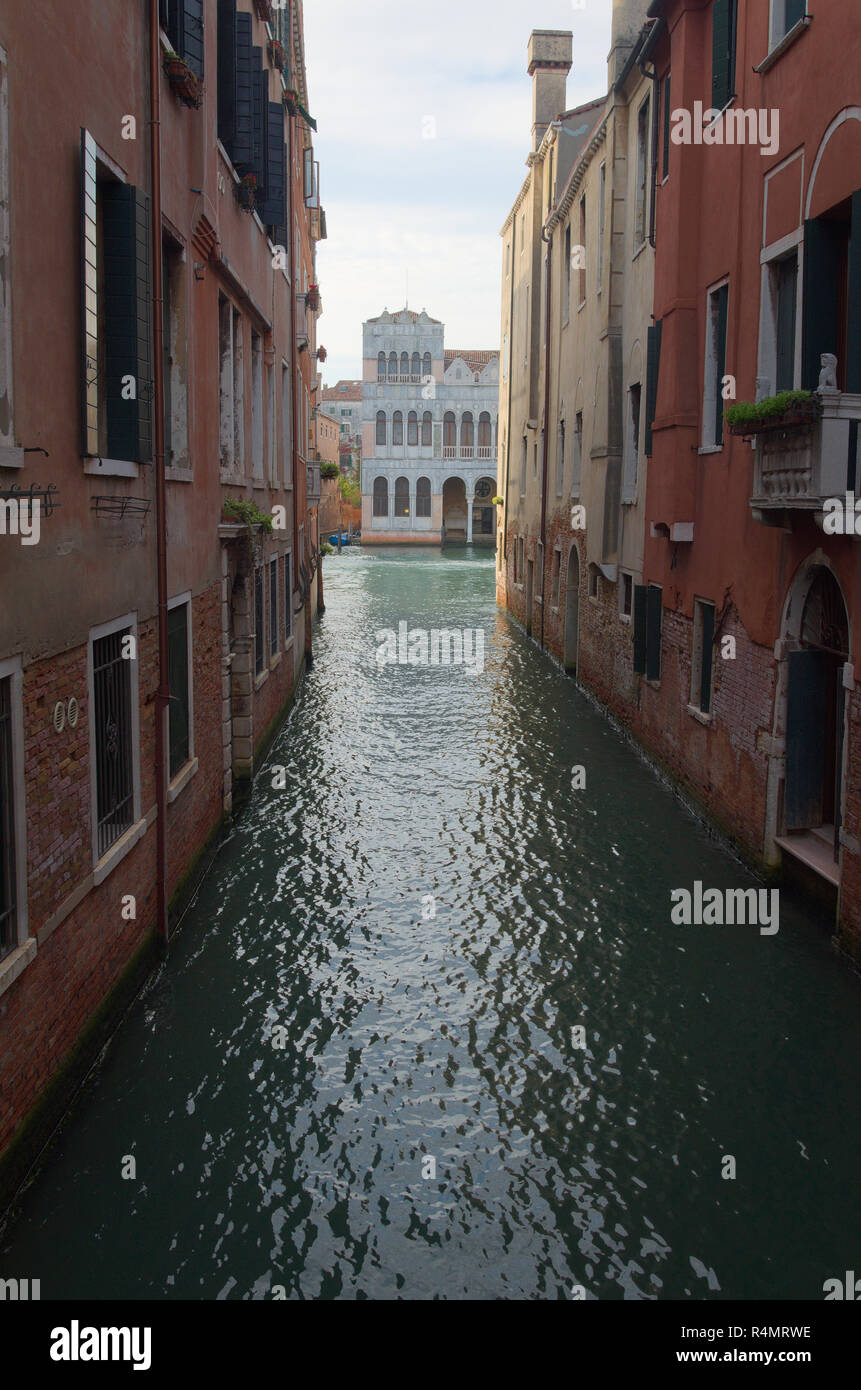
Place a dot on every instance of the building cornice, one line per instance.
(575, 178)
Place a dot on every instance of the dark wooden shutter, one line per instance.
(666, 164)
(273, 211)
(227, 73)
(640, 628)
(653, 362)
(654, 614)
(723, 46)
(259, 102)
(177, 661)
(795, 10)
(805, 739)
(90, 385)
(820, 326)
(281, 230)
(240, 152)
(720, 362)
(125, 223)
(192, 34)
(707, 634)
(853, 300)
(787, 283)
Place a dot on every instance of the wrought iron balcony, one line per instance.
(797, 467)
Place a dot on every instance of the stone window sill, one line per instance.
(11, 456)
(639, 250)
(710, 449)
(261, 680)
(16, 963)
(799, 27)
(275, 661)
(182, 779)
(110, 468)
(698, 714)
(176, 474)
(118, 852)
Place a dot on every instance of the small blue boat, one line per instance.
(345, 538)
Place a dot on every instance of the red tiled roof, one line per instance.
(475, 358)
(343, 391)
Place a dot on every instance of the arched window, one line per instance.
(484, 435)
(381, 427)
(423, 497)
(416, 367)
(381, 497)
(381, 367)
(449, 435)
(397, 428)
(393, 366)
(412, 428)
(467, 434)
(426, 364)
(405, 364)
(427, 430)
(402, 497)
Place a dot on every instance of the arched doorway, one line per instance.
(815, 710)
(572, 611)
(454, 510)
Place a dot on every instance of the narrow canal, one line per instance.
(427, 911)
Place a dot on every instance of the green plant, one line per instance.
(328, 469)
(771, 408)
(243, 509)
(326, 548)
(497, 501)
(350, 491)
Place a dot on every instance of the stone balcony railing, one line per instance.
(797, 468)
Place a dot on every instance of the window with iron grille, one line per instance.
(288, 600)
(112, 724)
(8, 935)
(178, 678)
(273, 606)
(259, 629)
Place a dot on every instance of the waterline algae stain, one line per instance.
(430, 1031)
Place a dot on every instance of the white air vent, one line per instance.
(59, 716)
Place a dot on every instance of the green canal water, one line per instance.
(388, 963)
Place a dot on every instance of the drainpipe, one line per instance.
(548, 264)
(162, 699)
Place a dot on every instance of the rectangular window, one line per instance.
(784, 275)
(581, 253)
(259, 625)
(273, 607)
(555, 577)
(286, 427)
(602, 191)
(182, 21)
(626, 595)
(667, 111)
(560, 458)
(175, 367)
(520, 559)
(701, 656)
(632, 444)
(713, 405)
(271, 439)
(648, 614)
(724, 16)
(785, 14)
(8, 827)
(238, 393)
(566, 274)
(179, 679)
(523, 469)
(256, 404)
(594, 586)
(535, 456)
(288, 600)
(653, 366)
(539, 561)
(115, 299)
(112, 737)
(640, 220)
(225, 382)
(7, 430)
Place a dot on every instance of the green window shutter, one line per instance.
(720, 364)
(259, 101)
(273, 211)
(853, 300)
(654, 614)
(787, 285)
(640, 628)
(653, 361)
(666, 164)
(89, 300)
(241, 150)
(708, 632)
(192, 35)
(125, 224)
(177, 661)
(795, 10)
(820, 324)
(723, 52)
(227, 72)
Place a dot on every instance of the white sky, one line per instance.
(400, 204)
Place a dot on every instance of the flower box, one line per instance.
(246, 193)
(277, 55)
(264, 10)
(183, 82)
(312, 297)
(793, 410)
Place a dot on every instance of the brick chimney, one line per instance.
(549, 66)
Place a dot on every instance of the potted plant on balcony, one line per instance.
(787, 410)
(277, 55)
(246, 192)
(312, 297)
(321, 354)
(184, 83)
(264, 10)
